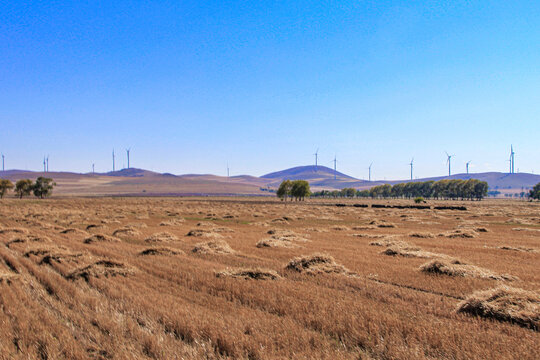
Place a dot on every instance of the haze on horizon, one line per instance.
(192, 86)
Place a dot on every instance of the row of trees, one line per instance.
(297, 189)
(41, 188)
(443, 189)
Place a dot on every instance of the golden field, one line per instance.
(248, 278)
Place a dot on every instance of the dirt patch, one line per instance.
(317, 264)
(458, 268)
(250, 274)
(102, 268)
(505, 304)
(161, 237)
(161, 251)
(213, 247)
(100, 238)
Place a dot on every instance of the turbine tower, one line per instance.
(512, 153)
(467, 165)
(335, 171)
(44, 165)
(127, 151)
(369, 179)
(449, 162)
(3, 168)
(316, 158)
(411, 164)
(47, 163)
(93, 171)
(227, 169)
(112, 159)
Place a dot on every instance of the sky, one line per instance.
(190, 86)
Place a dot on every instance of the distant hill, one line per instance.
(143, 182)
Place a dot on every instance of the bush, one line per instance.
(419, 200)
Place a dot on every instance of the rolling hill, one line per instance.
(131, 182)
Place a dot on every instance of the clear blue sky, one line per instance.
(191, 85)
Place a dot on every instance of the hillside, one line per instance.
(143, 182)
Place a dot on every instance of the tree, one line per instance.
(23, 187)
(43, 187)
(5, 185)
(284, 190)
(300, 189)
(535, 192)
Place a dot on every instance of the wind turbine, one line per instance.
(3, 169)
(227, 169)
(449, 162)
(335, 162)
(93, 169)
(316, 158)
(44, 165)
(47, 163)
(467, 165)
(411, 164)
(370, 171)
(512, 153)
(112, 159)
(127, 151)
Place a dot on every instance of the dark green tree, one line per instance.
(535, 192)
(43, 187)
(23, 187)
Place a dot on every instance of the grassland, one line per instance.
(166, 278)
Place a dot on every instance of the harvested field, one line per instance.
(261, 279)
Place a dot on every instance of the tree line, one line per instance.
(296, 189)
(442, 189)
(41, 188)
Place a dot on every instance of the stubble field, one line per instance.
(212, 278)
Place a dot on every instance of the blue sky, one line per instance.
(190, 86)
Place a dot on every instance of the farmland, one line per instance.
(189, 278)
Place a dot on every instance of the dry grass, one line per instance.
(458, 268)
(250, 274)
(161, 251)
(102, 268)
(422, 235)
(505, 304)
(97, 238)
(218, 247)
(127, 232)
(130, 300)
(518, 248)
(316, 264)
(161, 237)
